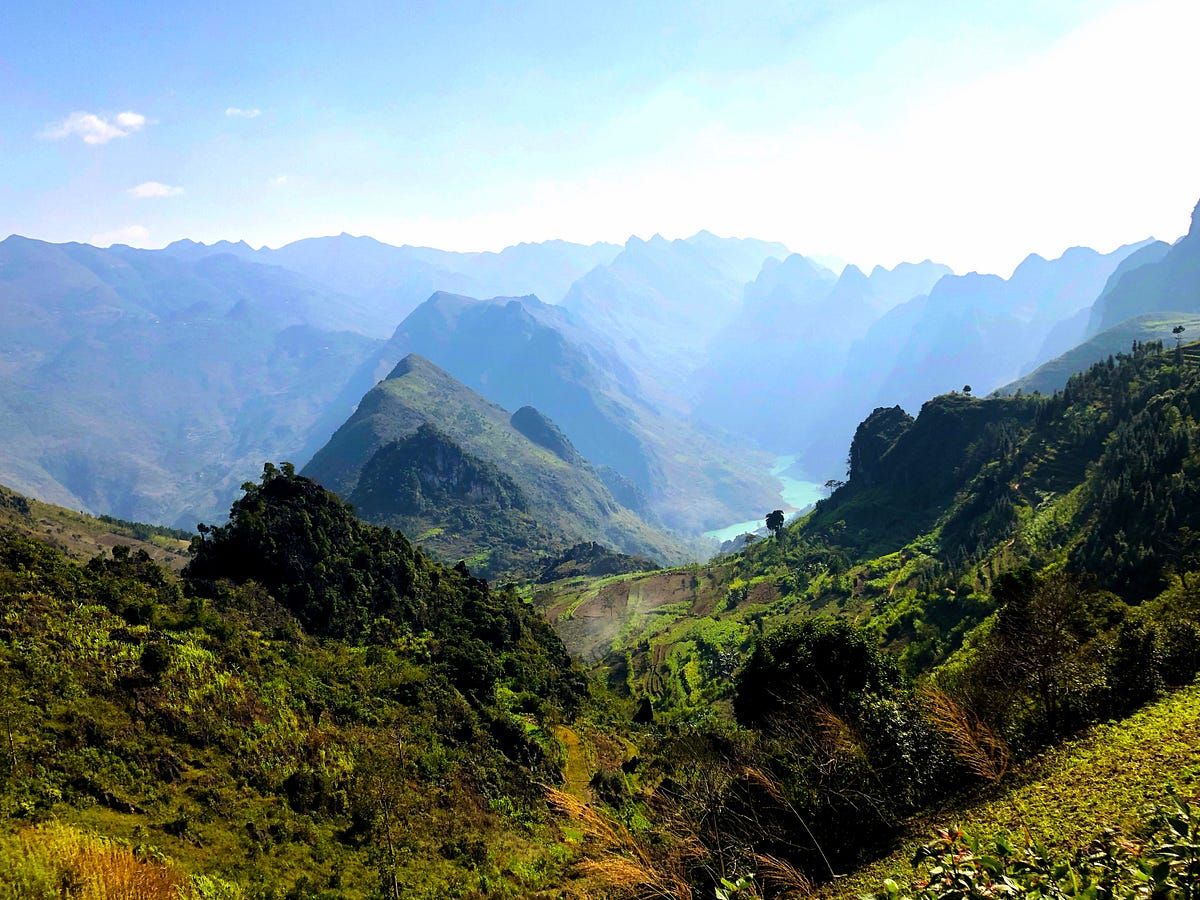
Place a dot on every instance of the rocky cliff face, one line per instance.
(872, 439)
(545, 433)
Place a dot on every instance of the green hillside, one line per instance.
(314, 709)
(504, 505)
(1053, 376)
(1099, 479)
(1068, 797)
(994, 621)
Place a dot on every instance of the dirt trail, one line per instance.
(577, 773)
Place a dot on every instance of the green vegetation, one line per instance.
(995, 622)
(988, 547)
(82, 537)
(476, 485)
(315, 709)
(1165, 863)
(1053, 375)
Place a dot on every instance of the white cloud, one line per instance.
(94, 129)
(152, 189)
(237, 112)
(278, 181)
(133, 235)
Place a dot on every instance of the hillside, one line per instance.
(995, 577)
(281, 711)
(426, 454)
(1109, 775)
(1053, 375)
(518, 351)
(1099, 478)
(149, 388)
(273, 721)
(81, 537)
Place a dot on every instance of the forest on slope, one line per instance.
(315, 708)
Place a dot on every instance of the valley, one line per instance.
(653, 564)
(796, 495)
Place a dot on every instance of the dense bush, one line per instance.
(316, 710)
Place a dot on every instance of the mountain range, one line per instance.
(149, 387)
(382, 283)
(150, 384)
(425, 454)
(517, 351)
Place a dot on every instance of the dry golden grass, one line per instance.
(615, 863)
(783, 875)
(81, 866)
(973, 741)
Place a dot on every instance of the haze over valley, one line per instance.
(612, 451)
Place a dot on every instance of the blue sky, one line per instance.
(972, 132)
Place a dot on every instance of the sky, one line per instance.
(970, 132)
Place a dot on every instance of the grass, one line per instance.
(58, 861)
(1070, 794)
(81, 536)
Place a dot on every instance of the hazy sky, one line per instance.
(972, 132)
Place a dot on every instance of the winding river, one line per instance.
(796, 494)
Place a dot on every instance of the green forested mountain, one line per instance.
(1149, 328)
(426, 454)
(518, 351)
(1098, 479)
(995, 574)
(315, 709)
(318, 709)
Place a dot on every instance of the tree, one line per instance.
(1178, 331)
(833, 485)
(775, 523)
(967, 389)
(803, 667)
(1037, 649)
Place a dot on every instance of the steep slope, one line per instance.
(271, 721)
(81, 537)
(661, 302)
(472, 480)
(1167, 281)
(521, 352)
(1053, 376)
(150, 387)
(1099, 480)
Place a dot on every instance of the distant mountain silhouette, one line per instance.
(660, 302)
(1165, 279)
(385, 282)
(772, 371)
(150, 387)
